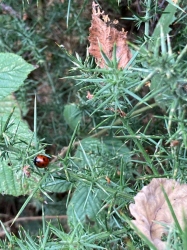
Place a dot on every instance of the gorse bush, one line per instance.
(115, 127)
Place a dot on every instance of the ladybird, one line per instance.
(41, 161)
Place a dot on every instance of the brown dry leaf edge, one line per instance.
(103, 37)
(151, 211)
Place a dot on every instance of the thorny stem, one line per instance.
(142, 150)
(119, 120)
(183, 52)
(9, 148)
(103, 131)
(146, 79)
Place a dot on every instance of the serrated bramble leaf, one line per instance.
(16, 130)
(13, 150)
(12, 178)
(13, 71)
(84, 205)
(56, 185)
(98, 150)
(90, 152)
(7, 104)
(116, 147)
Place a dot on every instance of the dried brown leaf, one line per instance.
(103, 36)
(152, 212)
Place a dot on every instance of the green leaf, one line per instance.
(161, 87)
(90, 153)
(72, 115)
(84, 205)
(98, 152)
(17, 132)
(7, 104)
(91, 145)
(13, 71)
(14, 143)
(12, 178)
(167, 18)
(116, 147)
(56, 185)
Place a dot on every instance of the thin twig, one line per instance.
(31, 218)
(35, 218)
(9, 10)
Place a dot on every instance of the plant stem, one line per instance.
(119, 120)
(9, 148)
(146, 79)
(141, 149)
(147, 18)
(183, 52)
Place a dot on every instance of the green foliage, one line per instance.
(72, 115)
(56, 184)
(13, 142)
(165, 21)
(13, 71)
(84, 206)
(119, 133)
(117, 93)
(14, 151)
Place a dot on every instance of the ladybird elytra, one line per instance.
(41, 161)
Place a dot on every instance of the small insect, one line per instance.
(41, 161)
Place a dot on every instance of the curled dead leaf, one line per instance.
(103, 36)
(152, 213)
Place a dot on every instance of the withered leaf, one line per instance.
(103, 36)
(151, 211)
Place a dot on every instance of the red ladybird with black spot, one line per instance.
(41, 161)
